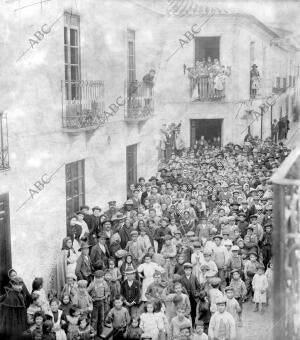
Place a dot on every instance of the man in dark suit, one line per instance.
(130, 289)
(94, 224)
(146, 193)
(84, 266)
(100, 253)
(192, 286)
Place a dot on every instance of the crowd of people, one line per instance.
(207, 79)
(189, 247)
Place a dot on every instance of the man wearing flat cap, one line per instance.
(100, 252)
(191, 284)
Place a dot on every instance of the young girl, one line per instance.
(260, 285)
(58, 319)
(33, 308)
(85, 330)
(150, 323)
(146, 271)
(71, 288)
(36, 330)
(72, 319)
(269, 275)
(160, 308)
(84, 301)
(134, 332)
(48, 333)
(67, 262)
(37, 287)
(66, 304)
(126, 264)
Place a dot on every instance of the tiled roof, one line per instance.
(192, 8)
(183, 8)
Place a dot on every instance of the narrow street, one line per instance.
(256, 325)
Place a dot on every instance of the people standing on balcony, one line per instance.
(148, 84)
(209, 79)
(254, 81)
(274, 131)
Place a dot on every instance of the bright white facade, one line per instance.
(32, 99)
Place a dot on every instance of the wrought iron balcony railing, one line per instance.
(4, 155)
(205, 89)
(140, 101)
(82, 104)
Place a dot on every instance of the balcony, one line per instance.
(139, 102)
(4, 155)
(82, 105)
(281, 85)
(204, 89)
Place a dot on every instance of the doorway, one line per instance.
(207, 47)
(131, 165)
(5, 244)
(209, 128)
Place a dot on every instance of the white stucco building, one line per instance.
(64, 64)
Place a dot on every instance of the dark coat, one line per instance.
(99, 259)
(191, 285)
(12, 312)
(84, 268)
(124, 233)
(131, 293)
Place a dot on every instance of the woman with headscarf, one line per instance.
(27, 297)
(66, 263)
(13, 310)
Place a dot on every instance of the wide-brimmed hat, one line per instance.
(118, 216)
(84, 245)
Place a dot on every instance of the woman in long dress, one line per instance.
(66, 263)
(146, 271)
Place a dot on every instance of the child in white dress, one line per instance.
(260, 285)
(151, 324)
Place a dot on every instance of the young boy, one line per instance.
(168, 251)
(185, 332)
(133, 248)
(250, 269)
(179, 269)
(221, 258)
(222, 324)
(99, 291)
(232, 305)
(177, 322)
(119, 317)
(199, 331)
(177, 298)
(235, 260)
(239, 291)
(214, 293)
(130, 290)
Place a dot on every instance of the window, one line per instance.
(284, 83)
(278, 82)
(75, 186)
(131, 56)
(4, 156)
(252, 52)
(72, 56)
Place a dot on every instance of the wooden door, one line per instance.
(5, 246)
(131, 164)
